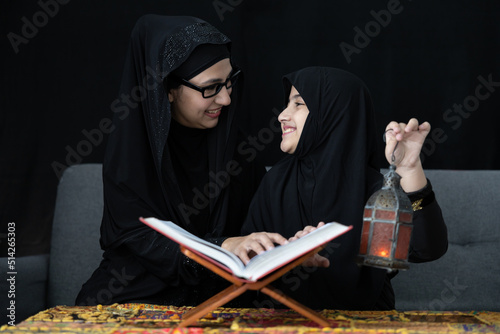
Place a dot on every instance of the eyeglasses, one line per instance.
(212, 90)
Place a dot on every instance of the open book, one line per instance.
(260, 265)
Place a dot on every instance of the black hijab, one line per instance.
(139, 174)
(329, 177)
(152, 164)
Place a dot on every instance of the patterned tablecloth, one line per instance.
(144, 318)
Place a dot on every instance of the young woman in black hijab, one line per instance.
(172, 155)
(329, 131)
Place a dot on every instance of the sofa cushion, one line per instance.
(467, 277)
(30, 287)
(75, 251)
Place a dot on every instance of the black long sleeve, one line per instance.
(430, 237)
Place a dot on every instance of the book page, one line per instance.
(190, 241)
(275, 258)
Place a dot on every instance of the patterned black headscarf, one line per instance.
(139, 178)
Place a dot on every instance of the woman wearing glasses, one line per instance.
(172, 155)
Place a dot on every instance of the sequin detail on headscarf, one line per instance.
(195, 34)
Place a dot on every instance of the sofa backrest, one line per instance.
(75, 251)
(467, 277)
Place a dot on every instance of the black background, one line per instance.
(63, 79)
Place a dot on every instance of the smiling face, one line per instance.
(191, 109)
(292, 120)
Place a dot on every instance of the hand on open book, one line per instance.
(316, 260)
(256, 243)
(306, 230)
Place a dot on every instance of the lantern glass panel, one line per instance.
(385, 214)
(403, 244)
(382, 237)
(365, 235)
(405, 217)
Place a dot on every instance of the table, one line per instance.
(147, 318)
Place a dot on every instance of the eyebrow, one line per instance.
(211, 81)
(295, 97)
(216, 80)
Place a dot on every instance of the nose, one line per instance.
(223, 98)
(284, 115)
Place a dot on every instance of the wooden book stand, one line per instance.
(240, 285)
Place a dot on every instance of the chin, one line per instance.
(210, 125)
(285, 149)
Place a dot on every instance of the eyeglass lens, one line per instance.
(215, 89)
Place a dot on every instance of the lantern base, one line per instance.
(383, 263)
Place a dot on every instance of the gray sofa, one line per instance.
(47, 280)
(467, 277)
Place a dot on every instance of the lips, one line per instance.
(213, 113)
(288, 129)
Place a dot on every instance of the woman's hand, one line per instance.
(409, 139)
(308, 229)
(256, 243)
(316, 260)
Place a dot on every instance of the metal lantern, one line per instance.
(387, 226)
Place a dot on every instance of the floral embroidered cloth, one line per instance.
(145, 318)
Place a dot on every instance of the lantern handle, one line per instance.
(393, 157)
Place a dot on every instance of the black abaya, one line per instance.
(142, 176)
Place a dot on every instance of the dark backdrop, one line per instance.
(62, 63)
